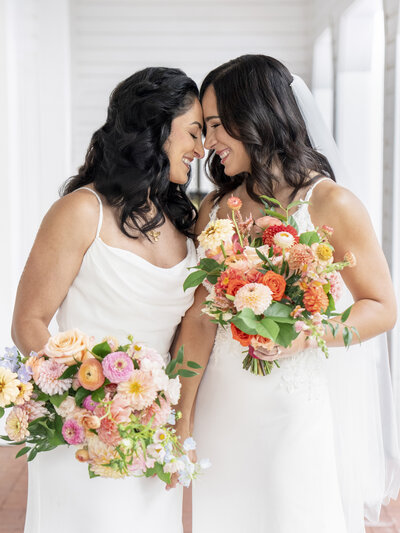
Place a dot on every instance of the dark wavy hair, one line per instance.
(256, 106)
(126, 161)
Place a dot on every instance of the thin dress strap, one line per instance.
(100, 223)
(213, 212)
(310, 190)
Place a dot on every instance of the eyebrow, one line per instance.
(211, 117)
(198, 123)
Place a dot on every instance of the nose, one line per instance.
(209, 141)
(199, 149)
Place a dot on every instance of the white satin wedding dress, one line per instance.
(285, 458)
(115, 293)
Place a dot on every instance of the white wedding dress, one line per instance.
(115, 293)
(280, 457)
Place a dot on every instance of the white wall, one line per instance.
(111, 39)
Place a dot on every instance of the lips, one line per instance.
(186, 161)
(223, 154)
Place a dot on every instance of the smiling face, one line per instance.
(231, 151)
(184, 142)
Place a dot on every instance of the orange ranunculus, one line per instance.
(91, 375)
(241, 336)
(234, 285)
(315, 300)
(276, 283)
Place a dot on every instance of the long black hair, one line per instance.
(126, 161)
(256, 106)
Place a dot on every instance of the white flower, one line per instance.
(159, 436)
(67, 407)
(174, 466)
(215, 232)
(283, 239)
(173, 391)
(189, 444)
(204, 464)
(156, 451)
(160, 378)
(251, 254)
(254, 296)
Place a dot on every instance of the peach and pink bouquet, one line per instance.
(113, 402)
(268, 282)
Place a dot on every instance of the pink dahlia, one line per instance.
(161, 413)
(48, 381)
(117, 367)
(72, 432)
(121, 409)
(140, 389)
(254, 296)
(108, 432)
(34, 409)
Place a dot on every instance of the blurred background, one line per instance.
(60, 59)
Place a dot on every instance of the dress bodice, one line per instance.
(119, 293)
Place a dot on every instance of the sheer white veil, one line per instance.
(365, 431)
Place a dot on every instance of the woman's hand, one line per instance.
(300, 343)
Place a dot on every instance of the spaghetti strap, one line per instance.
(100, 223)
(310, 190)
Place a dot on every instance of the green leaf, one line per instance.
(98, 394)
(347, 336)
(23, 451)
(275, 214)
(212, 278)
(297, 202)
(193, 364)
(268, 328)
(70, 371)
(186, 373)
(293, 223)
(32, 454)
(277, 309)
(272, 200)
(209, 265)
(102, 349)
(345, 315)
(309, 238)
(161, 474)
(2, 411)
(42, 397)
(331, 306)
(194, 279)
(179, 357)
(5, 437)
(91, 473)
(331, 328)
(57, 399)
(170, 367)
(286, 335)
(80, 395)
(246, 321)
(261, 256)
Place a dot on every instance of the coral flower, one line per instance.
(108, 432)
(72, 432)
(34, 363)
(140, 389)
(17, 424)
(276, 283)
(315, 300)
(234, 285)
(350, 258)
(234, 203)
(241, 336)
(9, 386)
(117, 367)
(271, 231)
(300, 254)
(161, 413)
(48, 380)
(265, 222)
(254, 296)
(91, 374)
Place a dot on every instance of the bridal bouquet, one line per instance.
(113, 402)
(270, 288)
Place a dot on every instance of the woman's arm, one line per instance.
(65, 234)
(374, 309)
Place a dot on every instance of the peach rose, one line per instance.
(67, 347)
(267, 221)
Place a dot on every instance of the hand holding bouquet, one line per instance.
(270, 288)
(114, 403)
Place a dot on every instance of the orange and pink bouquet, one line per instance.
(113, 403)
(268, 282)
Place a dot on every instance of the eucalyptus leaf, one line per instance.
(193, 364)
(271, 200)
(2, 411)
(179, 357)
(23, 451)
(186, 373)
(345, 315)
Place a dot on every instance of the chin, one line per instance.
(179, 180)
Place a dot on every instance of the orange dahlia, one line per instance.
(315, 300)
(300, 255)
(271, 231)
